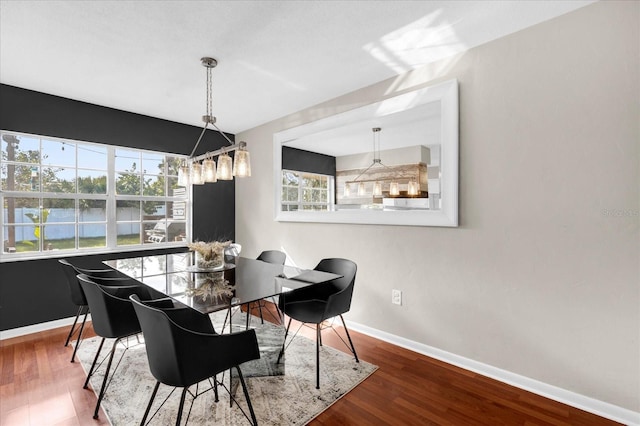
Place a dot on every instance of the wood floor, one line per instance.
(40, 387)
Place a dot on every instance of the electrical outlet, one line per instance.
(396, 297)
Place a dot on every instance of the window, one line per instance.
(306, 191)
(67, 196)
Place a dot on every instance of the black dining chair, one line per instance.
(319, 302)
(77, 296)
(113, 317)
(269, 256)
(183, 349)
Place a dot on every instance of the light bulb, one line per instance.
(362, 191)
(225, 167)
(183, 175)
(412, 188)
(242, 164)
(209, 170)
(377, 189)
(196, 174)
(393, 189)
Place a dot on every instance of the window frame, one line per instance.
(184, 200)
(330, 190)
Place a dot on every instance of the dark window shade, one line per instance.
(307, 161)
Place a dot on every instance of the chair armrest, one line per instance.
(162, 303)
(190, 319)
(124, 292)
(338, 303)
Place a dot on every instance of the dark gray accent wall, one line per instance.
(307, 161)
(35, 291)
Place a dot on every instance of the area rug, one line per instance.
(289, 399)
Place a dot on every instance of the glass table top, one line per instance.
(245, 280)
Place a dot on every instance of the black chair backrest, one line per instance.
(77, 295)
(182, 349)
(112, 313)
(161, 342)
(343, 293)
(273, 256)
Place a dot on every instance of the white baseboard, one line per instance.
(22, 331)
(591, 405)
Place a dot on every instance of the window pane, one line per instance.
(289, 178)
(290, 194)
(154, 210)
(59, 237)
(58, 180)
(155, 232)
(127, 210)
(177, 210)
(128, 234)
(174, 189)
(16, 177)
(152, 163)
(127, 161)
(92, 156)
(92, 211)
(92, 235)
(19, 210)
(58, 210)
(153, 185)
(58, 153)
(174, 165)
(127, 184)
(21, 238)
(20, 148)
(92, 182)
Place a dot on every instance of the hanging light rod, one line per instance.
(197, 173)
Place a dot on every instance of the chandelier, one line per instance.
(203, 168)
(413, 188)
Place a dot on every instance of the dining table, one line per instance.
(226, 288)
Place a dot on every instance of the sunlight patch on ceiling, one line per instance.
(424, 41)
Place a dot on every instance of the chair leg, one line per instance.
(184, 393)
(246, 327)
(284, 341)
(75, 321)
(95, 359)
(317, 356)
(104, 380)
(246, 396)
(73, 356)
(260, 309)
(153, 396)
(280, 314)
(353, 348)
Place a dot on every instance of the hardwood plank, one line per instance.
(408, 388)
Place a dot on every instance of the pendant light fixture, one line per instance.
(376, 162)
(203, 167)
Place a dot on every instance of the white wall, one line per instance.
(542, 277)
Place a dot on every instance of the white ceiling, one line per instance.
(275, 57)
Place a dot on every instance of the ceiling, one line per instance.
(275, 57)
